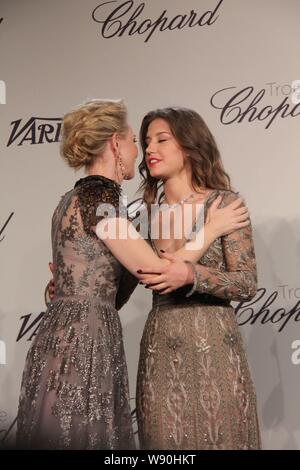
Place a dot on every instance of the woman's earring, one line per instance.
(120, 164)
(117, 166)
(122, 168)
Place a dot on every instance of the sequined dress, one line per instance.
(194, 388)
(74, 392)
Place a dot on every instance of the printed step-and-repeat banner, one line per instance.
(237, 64)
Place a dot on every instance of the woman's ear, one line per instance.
(114, 141)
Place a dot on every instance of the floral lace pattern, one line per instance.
(74, 392)
(202, 395)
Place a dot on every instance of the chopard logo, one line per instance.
(246, 105)
(126, 19)
(253, 312)
(35, 131)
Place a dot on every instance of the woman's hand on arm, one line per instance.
(178, 273)
(168, 278)
(238, 281)
(219, 222)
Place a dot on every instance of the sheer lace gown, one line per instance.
(74, 392)
(194, 389)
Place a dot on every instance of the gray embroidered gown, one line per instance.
(74, 392)
(194, 389)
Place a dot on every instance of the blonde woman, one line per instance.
(74, 392)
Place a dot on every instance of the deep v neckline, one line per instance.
(155, 249)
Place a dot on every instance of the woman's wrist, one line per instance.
(190, 272)
(210, 233)
(193, 278)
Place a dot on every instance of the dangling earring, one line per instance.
(122, 168)
(120, 164)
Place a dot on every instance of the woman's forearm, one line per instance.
(194, 250)
(126, 244)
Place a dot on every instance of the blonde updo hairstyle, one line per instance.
(87, 129)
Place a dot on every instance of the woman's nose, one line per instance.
(149, 149)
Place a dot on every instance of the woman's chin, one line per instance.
(157, 174)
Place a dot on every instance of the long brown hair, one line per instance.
(193, 135)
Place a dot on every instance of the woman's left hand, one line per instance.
(168, 278)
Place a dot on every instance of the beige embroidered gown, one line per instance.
(194, 388)
(74, 392)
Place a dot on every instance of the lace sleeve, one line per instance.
(97, 201)
(239, 280)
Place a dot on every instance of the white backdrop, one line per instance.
(234, 61)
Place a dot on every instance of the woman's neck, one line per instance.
(104, 170)
(177, 188)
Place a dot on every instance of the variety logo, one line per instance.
(125, 19)
(28, 327)
(35, 131)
